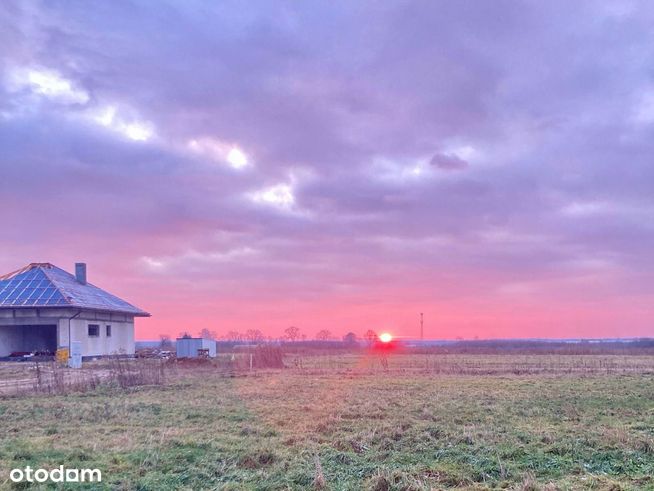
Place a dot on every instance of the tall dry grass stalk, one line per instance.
(319, 481)
(52, 378)
(129, 373)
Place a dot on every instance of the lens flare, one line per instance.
(385, 337)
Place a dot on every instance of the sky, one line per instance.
(338, 165)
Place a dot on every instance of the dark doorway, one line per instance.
(28, 339)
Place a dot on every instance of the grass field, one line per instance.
(343, 423)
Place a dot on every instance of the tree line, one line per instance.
(291, 334)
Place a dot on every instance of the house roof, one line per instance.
(45, 285)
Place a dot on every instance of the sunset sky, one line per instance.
(338, 165)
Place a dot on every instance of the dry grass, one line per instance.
(483, 364)
(355, 427)
(54, 379)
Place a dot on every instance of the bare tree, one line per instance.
(184, 334)
(234, 336)
(207, 334)
(292, 333)
(370, 336)
(350, 339)
(324, 335)
(254, 335)
(165, 343)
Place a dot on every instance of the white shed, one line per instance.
(189, 347)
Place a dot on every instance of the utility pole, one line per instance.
(422, 331)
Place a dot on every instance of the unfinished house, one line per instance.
(43, 308)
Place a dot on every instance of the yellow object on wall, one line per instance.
(62, 355)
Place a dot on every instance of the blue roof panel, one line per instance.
(45, 285)
(18, 291)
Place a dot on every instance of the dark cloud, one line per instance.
(448, 162)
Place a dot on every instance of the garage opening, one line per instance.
(21, 341)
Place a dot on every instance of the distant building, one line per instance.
(188, 347)
(43, 308)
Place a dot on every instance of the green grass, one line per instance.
(370, 430)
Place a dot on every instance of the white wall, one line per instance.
(76, 322)
(121, 341)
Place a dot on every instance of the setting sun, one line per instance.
(385, 337)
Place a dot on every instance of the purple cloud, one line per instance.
(282, 157)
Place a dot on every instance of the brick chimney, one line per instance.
(80, 272)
